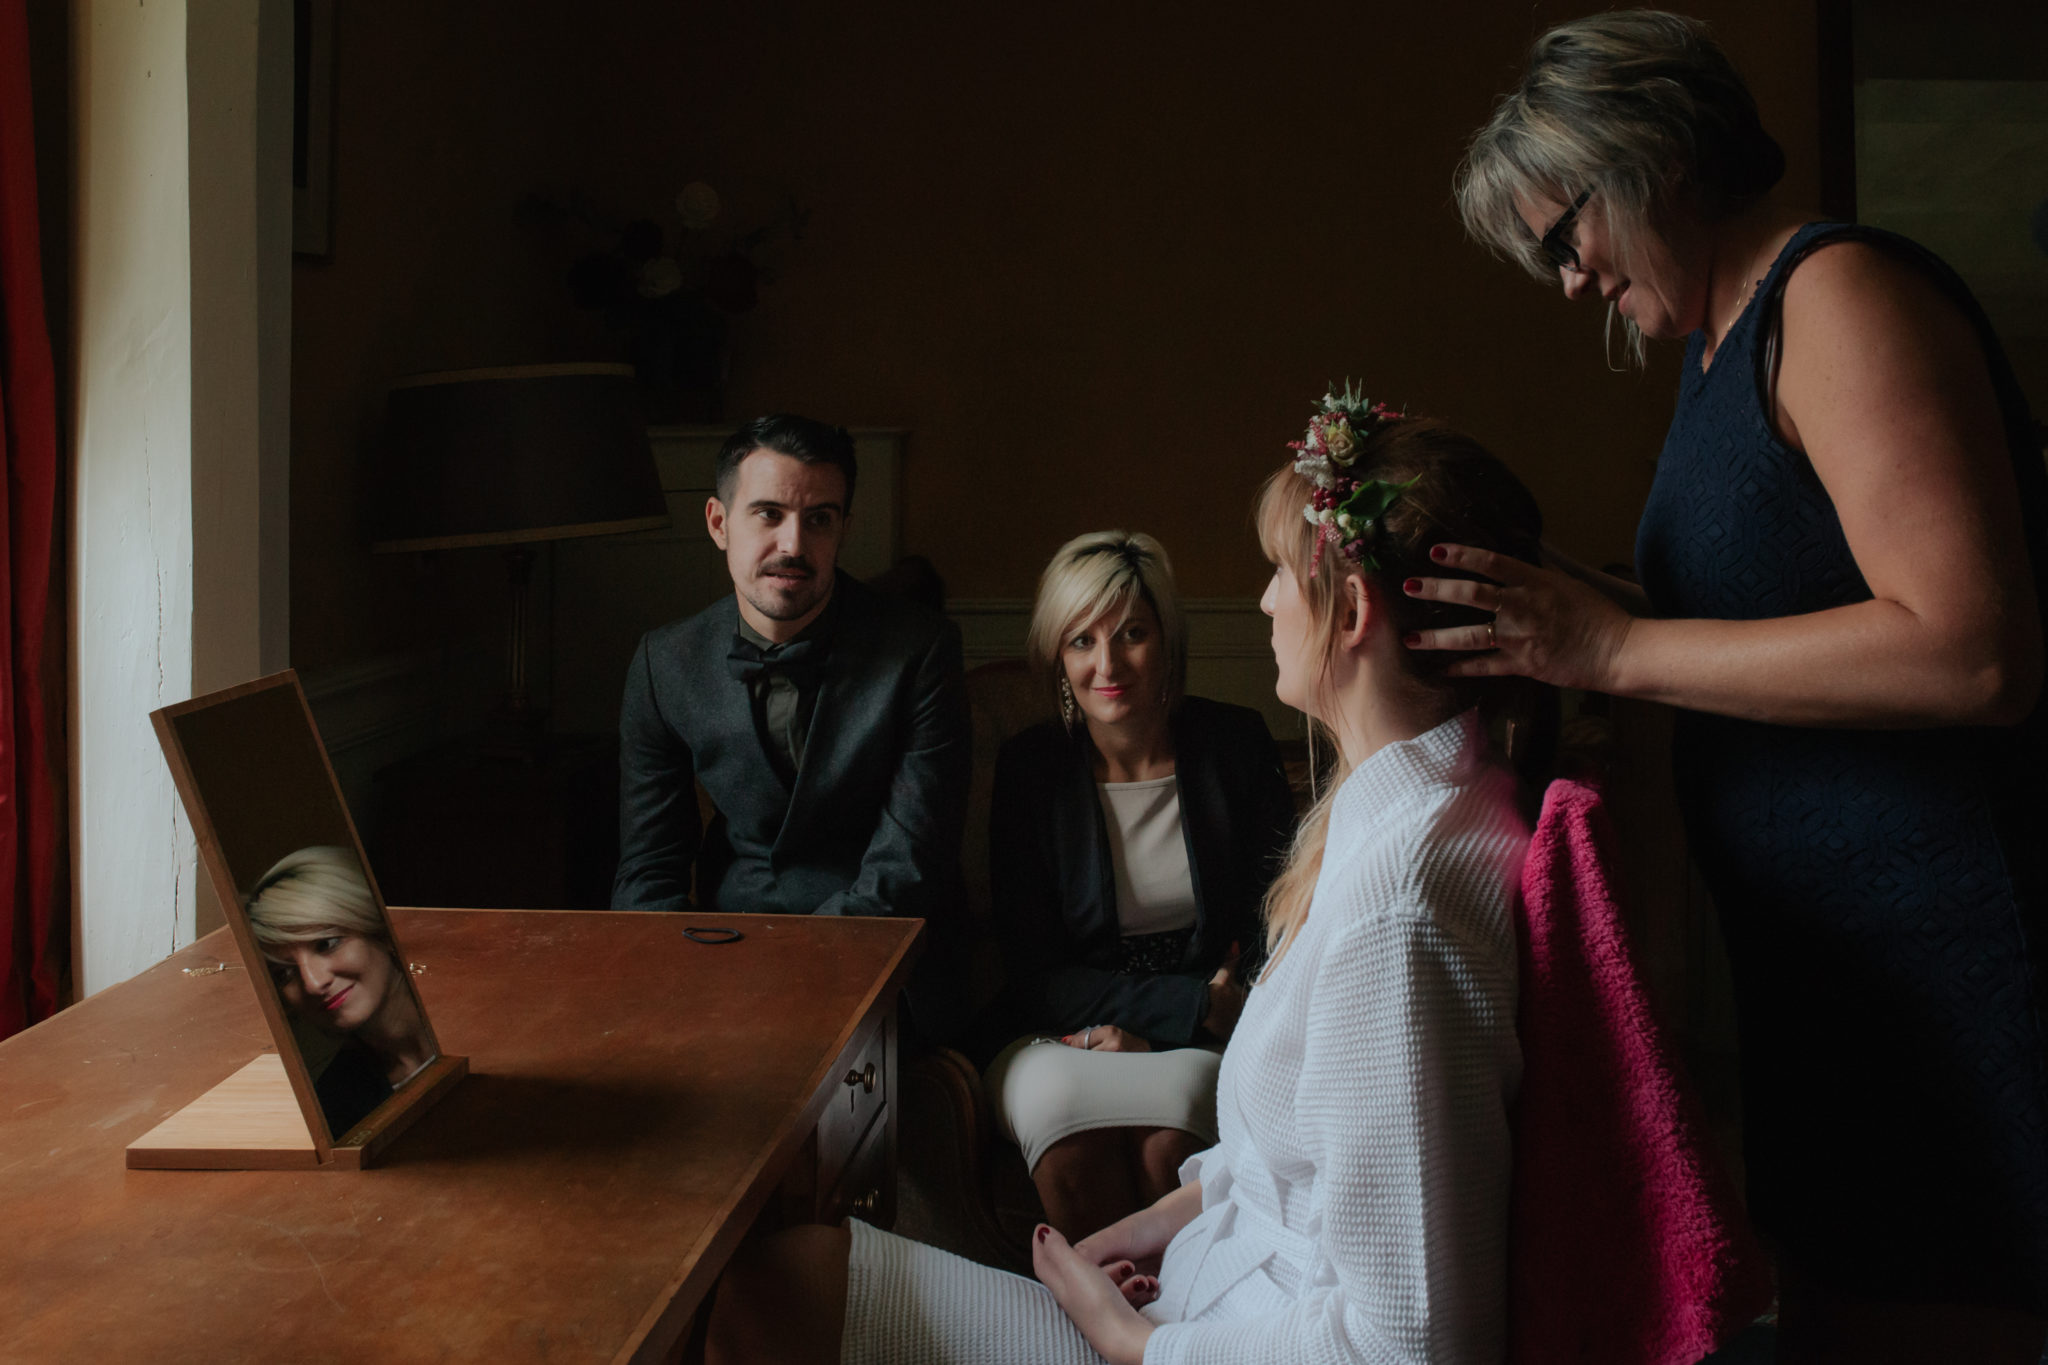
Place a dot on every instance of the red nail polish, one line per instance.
(1439, 553)
(1412, 585)
(1042, 1230)
(1412, 640)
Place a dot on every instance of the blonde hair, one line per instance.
(1460, 494)
(1641, 107)
(1099, 574)
(311, 894)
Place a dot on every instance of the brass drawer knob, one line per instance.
(864, 1078)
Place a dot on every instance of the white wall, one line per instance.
(132, 533)
(169, 453)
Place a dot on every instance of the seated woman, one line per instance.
(1355, 1205)
(335, 968)
(1129, 845)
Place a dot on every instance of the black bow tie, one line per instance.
(799, 660)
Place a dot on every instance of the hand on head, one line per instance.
(1546, 625)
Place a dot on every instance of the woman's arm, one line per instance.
(1024, 883)
(1885, 386)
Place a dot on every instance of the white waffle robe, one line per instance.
(1355, 1206)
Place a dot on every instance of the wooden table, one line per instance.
(635, 1101)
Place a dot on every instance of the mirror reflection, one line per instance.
(341, 980)
(283, 856)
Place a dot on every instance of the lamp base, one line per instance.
(516, 732)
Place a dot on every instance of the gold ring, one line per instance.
(1492, 640)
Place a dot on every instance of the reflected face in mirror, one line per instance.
(335, 969)
(338, 983)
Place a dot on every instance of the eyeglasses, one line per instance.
(1555, 245)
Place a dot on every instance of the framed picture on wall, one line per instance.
(312, 127)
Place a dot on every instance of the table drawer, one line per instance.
(859, 1083)
(867, 1185)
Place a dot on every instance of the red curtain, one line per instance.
(30, 952)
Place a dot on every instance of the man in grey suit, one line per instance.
(827, 722)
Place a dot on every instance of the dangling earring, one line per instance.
(1607, 342)
(1067, 706)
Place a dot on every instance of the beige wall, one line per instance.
(131, 645)
(1096, 261)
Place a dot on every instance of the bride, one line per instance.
(1355, 1207)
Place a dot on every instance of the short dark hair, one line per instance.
(785, 433)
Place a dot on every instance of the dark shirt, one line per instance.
(351, 1087)
(784, 698)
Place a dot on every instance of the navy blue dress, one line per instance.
(1884, 894)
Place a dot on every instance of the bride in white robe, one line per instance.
(1355, 1206)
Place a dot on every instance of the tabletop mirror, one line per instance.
(356, 1050)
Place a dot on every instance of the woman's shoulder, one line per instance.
(1450, 856)
(1220, 724)
(1849, 276)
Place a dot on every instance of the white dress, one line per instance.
(1355, 1206)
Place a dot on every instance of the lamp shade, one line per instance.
(512, 455)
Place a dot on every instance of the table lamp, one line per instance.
(512, 457)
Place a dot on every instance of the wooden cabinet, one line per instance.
(857, 1133)
(848, 1166)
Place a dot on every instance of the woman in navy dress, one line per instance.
(1841, 587)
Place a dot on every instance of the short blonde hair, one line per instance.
(1099, 574)
(1642, 107)
(311, 894)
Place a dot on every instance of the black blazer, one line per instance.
(1054, 888)
(872, 823)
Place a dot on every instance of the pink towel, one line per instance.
(1627, 1243)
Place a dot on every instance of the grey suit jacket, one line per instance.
(872, 823)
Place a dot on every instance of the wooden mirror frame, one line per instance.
(247, 1122)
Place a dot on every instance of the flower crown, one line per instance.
(1344, 510)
